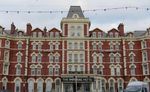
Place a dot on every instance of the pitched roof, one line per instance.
(139, 33)
(75, 10)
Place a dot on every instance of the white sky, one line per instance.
(133, 19)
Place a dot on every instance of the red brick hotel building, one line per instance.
(72, 59)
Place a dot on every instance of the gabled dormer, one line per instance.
(75, 24)
(37, 32)
(97, 33)
(54, 33)
(113, 33)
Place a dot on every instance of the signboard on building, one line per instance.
(77, 79)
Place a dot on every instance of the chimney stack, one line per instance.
(29, 29)
(13, 28)
(45, 30)
(121, 29)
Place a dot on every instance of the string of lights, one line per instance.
(62, 11)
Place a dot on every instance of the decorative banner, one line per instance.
(61, 11)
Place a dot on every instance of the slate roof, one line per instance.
(75, 10)
(139, 33)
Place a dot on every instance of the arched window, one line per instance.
(51, 58)
(120, 85)
(111, 47)
(94, 46)
(18, 70)
(100, 70)
(117, 58)
(48, 86)
(19, 57)
(132, 70)
(6, 56)
(131, 58)
(145, 69)
(51, 47)
(39, 46)
(144, 56)
(7, 43)
(111, 58)
(50, 70)
(39, 58)
(33, 58)
(94, 69)
(56, 46)
(33, 70)
(100, 57)
(57, 58)
(100, 46)
(118, 71)
(5, 68)
(4, 83)
(111, 86)
(30, 86)
(58, 85)
(94, 58)
(56, 70)
(19, 45)
(38, 70)
(143, 44)
(40, 85)
(34, 46)
(17, 86)
(101, 85)
(130, 46)
(117, 47)
(112, 70)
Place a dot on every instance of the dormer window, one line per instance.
(110, 34)
(20, 33)
(99, 34)
(39, 34)
(75, 16)
(94, 34)
(116, 34)
(56, 34)
(34, 34)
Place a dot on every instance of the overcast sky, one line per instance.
(133, 19)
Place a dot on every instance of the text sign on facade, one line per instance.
(72, 79)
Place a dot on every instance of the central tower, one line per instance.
(75, 24)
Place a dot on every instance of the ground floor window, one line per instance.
(17, 86)
(48, 86)
(30, 86)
